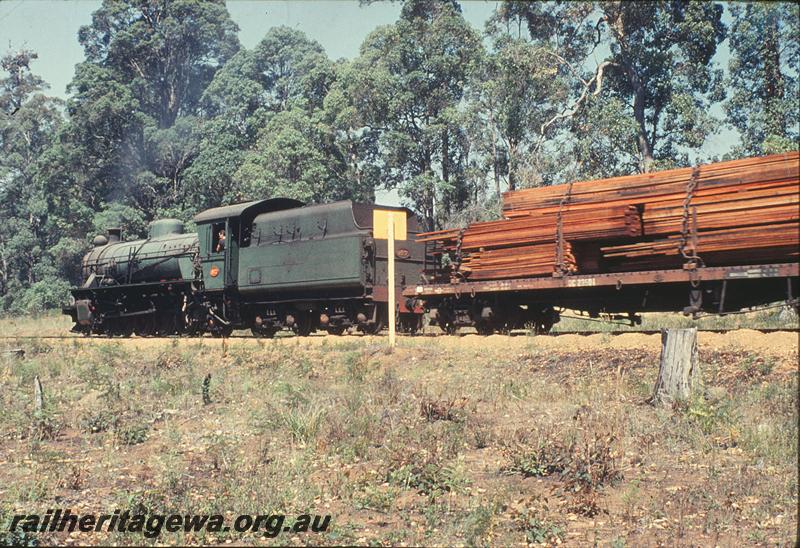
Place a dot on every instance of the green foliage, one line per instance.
(763, 77)
(660, 65)
(524, 87)
(407, 84)
(132, 434)
(32, 251)
(41, 296)
(537, 529)
(118, 215)
(132, 112)
(607, 143)
(290, 160)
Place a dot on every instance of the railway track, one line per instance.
(520, 333)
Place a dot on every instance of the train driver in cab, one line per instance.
(220, 241)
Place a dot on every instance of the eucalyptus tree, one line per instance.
(660, 67)
(407, 85)
(35, 250)
(272, 128)
(640, 75)
(764, 66)
(530, 84)
(134, 100)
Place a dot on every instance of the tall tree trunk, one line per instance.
(445, 156)
(512, 164)
(773, 81)
(645, 148)
(446, 199)
(495, 160)
(430, 193)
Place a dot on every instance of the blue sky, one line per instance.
(50, 28)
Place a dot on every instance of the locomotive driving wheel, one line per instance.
(144, 327)
(125, 329)
(222, 331)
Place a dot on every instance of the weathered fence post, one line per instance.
(207, 390)
(38, 395)
(679, 373)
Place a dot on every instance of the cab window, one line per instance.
(218, 237)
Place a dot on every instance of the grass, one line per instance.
(457, 441)
(772, 318)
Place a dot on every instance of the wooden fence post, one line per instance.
(38, 395)
(679, 373)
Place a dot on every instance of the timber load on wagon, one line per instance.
(629, 244)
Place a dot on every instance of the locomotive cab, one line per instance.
(220, 262)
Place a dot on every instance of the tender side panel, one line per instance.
(332, 262)
(315, 248)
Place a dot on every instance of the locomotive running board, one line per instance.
(619, 279)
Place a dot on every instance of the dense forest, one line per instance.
(168, 114)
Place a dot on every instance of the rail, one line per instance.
(516, 333)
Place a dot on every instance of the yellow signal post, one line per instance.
(390, 275)
(390, 225)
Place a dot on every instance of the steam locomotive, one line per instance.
(263, 265)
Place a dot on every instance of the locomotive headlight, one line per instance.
(214, 271)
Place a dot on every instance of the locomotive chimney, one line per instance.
(114, 235)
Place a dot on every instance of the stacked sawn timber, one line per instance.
(746, 212)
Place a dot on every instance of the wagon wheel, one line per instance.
(541, 327)
(484, 328)
(262, 332)
(410, 323)
(302, 326)
(374, 328)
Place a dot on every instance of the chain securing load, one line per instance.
(561, 270)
